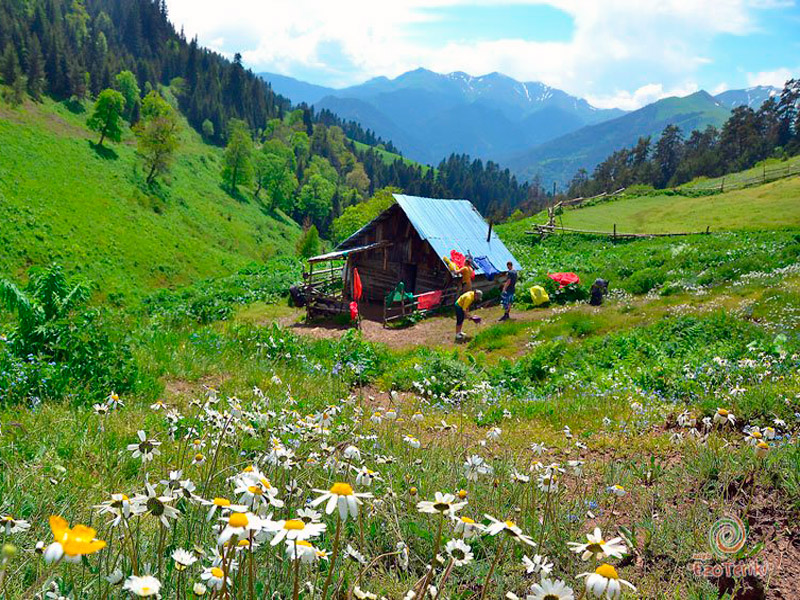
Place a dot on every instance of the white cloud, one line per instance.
(718, 89)
(776, 78)
(644, 95)
(615, 44)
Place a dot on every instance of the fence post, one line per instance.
(615, 232)
(722, 185)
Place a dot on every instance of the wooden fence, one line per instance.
(543, 230)
(404, 308)
(734, 182)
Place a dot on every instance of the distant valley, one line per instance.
(527, 126)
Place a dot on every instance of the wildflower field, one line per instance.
(646, 448)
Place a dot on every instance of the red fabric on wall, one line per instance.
(353, 310)
(357, 290)
(429, 300)
(564, 279)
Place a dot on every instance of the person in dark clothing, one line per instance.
(598, 290)
(509, 287)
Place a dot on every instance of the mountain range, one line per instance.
(528, 126)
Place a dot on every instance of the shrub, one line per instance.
(56, 350)
(644, 280)
(308, 244)
(217, 299)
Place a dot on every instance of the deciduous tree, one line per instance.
(274, 175)
(237, 164)
(107, 115)
(316, 198)
(129, 88)
(157, 135)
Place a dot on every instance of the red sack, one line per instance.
(356, 285)
(354, 311)
(564, 279)
(457, 258)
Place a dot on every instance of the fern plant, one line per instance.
(42, 308)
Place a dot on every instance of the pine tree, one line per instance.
(35, 69)
(9, 65)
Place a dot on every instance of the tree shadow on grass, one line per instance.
(103, 151)
(74, 106)
(272, 212)
(236, 194)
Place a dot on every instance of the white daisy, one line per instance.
(723, 417)
(144, 448)
(605, 581)
(442, 503)
(183, 559)
(214, 576)
(549, 589)
(509, 528)
(294, 529)
(459, 552)
(538, 564)
(341, 495)
(467, 527)
(143, 586)
(12, 525)
(597, 547)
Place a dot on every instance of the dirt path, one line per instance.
(438, 331)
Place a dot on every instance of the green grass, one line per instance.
(692, 324)
(667, 265)
(770, 206)
(63, 201)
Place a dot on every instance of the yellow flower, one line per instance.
(72, 543)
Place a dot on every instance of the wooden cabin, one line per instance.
(406, 243)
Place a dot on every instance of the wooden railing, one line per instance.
(404, 308)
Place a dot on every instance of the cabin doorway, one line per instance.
(408, 275)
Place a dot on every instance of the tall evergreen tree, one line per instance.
(9, 65)
(35, 68)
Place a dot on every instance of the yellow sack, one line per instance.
(450, 264)
(538, 295)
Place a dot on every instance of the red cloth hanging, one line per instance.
(428, 300)
(354, 311)
(357, 290)
(564, 279)
(457, 258)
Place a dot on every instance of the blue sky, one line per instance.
(622, 53)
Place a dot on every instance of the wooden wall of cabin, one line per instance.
(381, 269)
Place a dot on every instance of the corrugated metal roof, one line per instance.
(455, 225)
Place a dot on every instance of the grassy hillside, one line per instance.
(389, 157)
(770, 169)
(770, 206)
(62, 200)
(559, 159)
